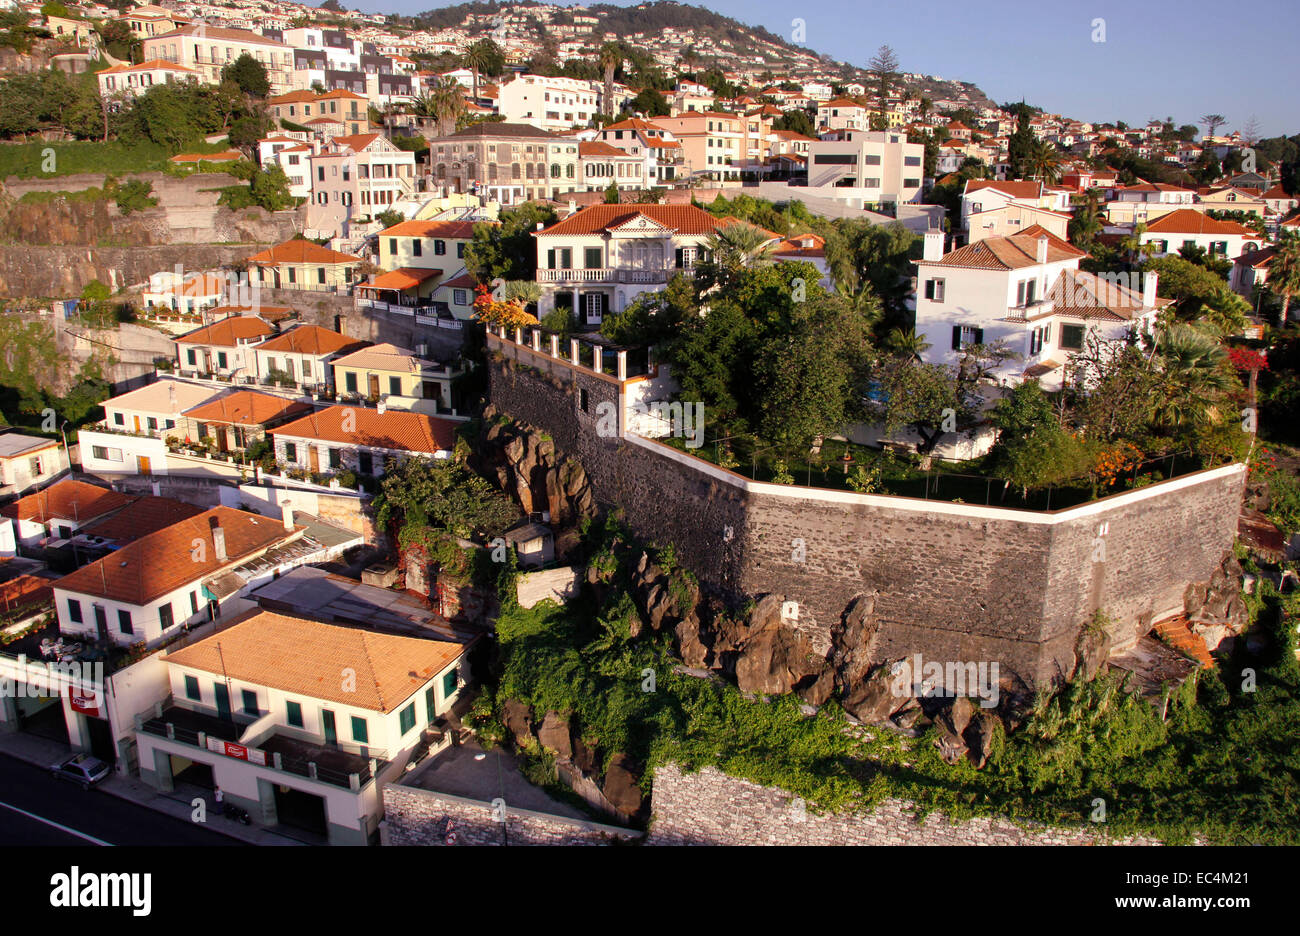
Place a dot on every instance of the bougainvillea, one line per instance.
(497, 312)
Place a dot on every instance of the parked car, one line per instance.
(82, 769)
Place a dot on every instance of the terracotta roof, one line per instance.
(217, 32)
(25, 591)
(1276, 193)
(633, 123)
(300, 251)
(383, 356)
(307, 97)
(358, 141)
(265, 312)
(1257, 259)
(178, 555)
(401, 278)
(595, 219)
(464, 281)
(729, 220)
(227, 156)
(144, 66)
(392, 429)
(202, 284)
(1085, 295)
(1014, 189)
(227, 332)
(157, 397)
(597, 148)
(303, 657)
(145, 516)
(308, 339)
(843, 102)
(68, 500)
(1009, 253)
(1155, 187)
(1189, 221)
(453, 230)
(247, 408)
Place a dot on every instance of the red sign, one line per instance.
(238, 751)
(85, 702)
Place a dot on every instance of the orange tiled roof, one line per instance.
(401, 278)
(227, 332)
(144, 66)
(1010, 253)
(597, 148)
(68, 500)
(303, 657)
(247, 408)
(182, 553)
(453, 230)
(147, 515)
(596, 219)
(1014, 189)
(1189, 221)
(308, 339)
(300, 251)
(392, 429)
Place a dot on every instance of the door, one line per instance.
(327, 726)
(222, 692)
(144, 466)
(136, 419)
(101, 622)
(313, 458)
(595, 303)
(374, 385)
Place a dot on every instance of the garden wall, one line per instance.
(953, 582)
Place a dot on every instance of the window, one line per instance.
(152, 423)
(911, 183)
(192, 690)
(36, 466)
(293, 713)
(395, 386)
(194, 602)
(365, 463)
(74, 611)
(963, 336)
(934, 290)
(592, 258)
(1036, 341)
(460, 247)
(392, 247)
(124, 621)
(439, 247)
(1072, 337)
(119, 419)
(582, 399)
(336, 458)
(250, 703)
(360, 731)
(460, 297)
(221, 359)
(417, 247)
(406, 718)
(165, 618)
(871, 160)
(1189, 245)
(350, 381)
(320, 275)
(834, 159)
(911, 160)
(106, 454)
(449, 682)
(291, 451)
(430, 704)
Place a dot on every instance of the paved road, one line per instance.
(36, 809)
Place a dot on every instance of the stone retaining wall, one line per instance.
(711, 808)
(422, 817)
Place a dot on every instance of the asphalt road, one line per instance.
(36, 809)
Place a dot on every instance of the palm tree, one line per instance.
(728, 251)
(1134, 250)
(1194, 377)
(1044, 161)
(864, 303)
(1284, 273)
(907, 343)
(482, 56)
(611, 57)
(443, 101)
(1086, 224)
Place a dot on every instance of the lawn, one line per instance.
(28, 160)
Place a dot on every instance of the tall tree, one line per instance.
(483, 57)
(611, 57)
(883, 68)
(1212, 123)
(1284, 273)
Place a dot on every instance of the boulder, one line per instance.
(959, 714)
(774, 657)
(518, 720)
(951, 747)
(979, 737)
(584, 758)
(1091, 651)
(690, 645)
(554, 734)
(622, 788)
(818, 689)
(851, 641)
(880, 695)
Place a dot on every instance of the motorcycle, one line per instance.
(234, 813)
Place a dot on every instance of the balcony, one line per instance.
(613, 275)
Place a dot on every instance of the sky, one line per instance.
(1160, 58)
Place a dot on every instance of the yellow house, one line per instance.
(395, 376)
(302, 264)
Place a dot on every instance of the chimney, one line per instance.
(1042, 249)
(933, 246)
(540, 225)
(219, 542)
(1149, 283)
(156, 487)
(381, 407)
(286, 510)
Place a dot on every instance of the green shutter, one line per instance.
(956, 337)
(360, 732)
(449, 683)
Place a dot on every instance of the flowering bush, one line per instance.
(1114, 462)
(491, 311)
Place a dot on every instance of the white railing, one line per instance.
(601, 275)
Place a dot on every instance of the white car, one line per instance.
(82, 769)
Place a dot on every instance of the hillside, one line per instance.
(664, 29)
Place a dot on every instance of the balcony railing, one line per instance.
(613, 275)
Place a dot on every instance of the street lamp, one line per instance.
(67, 451)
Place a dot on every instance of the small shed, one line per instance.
(534, 543)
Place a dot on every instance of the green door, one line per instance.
(223, 701)
(327, 724)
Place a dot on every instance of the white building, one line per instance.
(1025, 292)
(551, 104)
(871, 168)
(28, 461)
(1188, 228)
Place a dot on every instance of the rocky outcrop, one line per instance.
(616, 790)
(530, 469)
(1214, 608)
